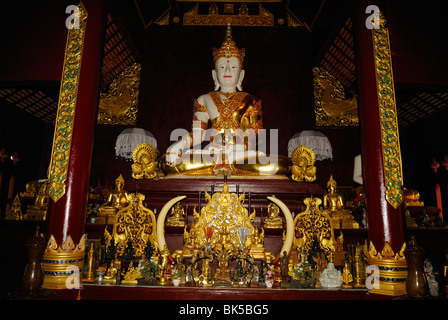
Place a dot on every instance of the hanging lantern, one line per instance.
(130, 138)
(315, 140)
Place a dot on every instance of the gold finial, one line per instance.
(331, 181)
(120, 179)
(229, 49)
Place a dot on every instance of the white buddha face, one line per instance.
(228, 74)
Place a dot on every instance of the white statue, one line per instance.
(233, 118)
(331, 277)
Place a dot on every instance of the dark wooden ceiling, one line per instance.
(328, 22)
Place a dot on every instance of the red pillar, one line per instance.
(66, 217)
(380, 151)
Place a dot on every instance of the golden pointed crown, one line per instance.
(228, 49)
(331, 181)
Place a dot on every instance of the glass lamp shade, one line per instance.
(130, 138)
(315, 140)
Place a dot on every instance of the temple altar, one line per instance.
(199, 213)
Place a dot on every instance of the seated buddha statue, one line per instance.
(257, 249)
(38, 210)
(224, 240)
(334, 207)
(117, 199)
(273, 219)
(177, 216)
(231, 120)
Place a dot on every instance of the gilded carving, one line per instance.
(332, 108)
(61, 261)
(145, 165)
(120, 104)
(314, 225)
(222, 209)
(66, 108)
(388, 115)
(303, 168)
(392, 269)
(213, 18)
(136, 223)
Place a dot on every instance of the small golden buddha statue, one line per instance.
(224, 240)
(164, 261)
(273, 219)
(334, 207)
(234, 118)
(38, 210)
(339, 253)
(130, 275)
(15, 212)
(177, 216)
(111, 273)
(117, 199)
(303, 168)
(346, 277)
(257, 249)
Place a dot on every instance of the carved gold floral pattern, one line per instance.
(388, 115)
(66, 107)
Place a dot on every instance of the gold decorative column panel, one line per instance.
(381, 154)
(388, 114)
(66, 107)
(74, 133)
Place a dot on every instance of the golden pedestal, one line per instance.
(106, 216)
(61, 263)
(388, 277)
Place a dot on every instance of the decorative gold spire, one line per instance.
(228, 49)
(331, 181)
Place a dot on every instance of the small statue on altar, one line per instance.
(334, 207)
(302, 255)
(273, 219)
(117, 199)
(321, 265)
(111, 250)
(431, 278)
(180, 266)
(235, 118)
(339, 252)
(130, 275)
(129, 251)
(38, 210)
(111, 273)
(177, 216)
(303, 168)
(165, 257)
(284, 262)
(346, 277)
(330, 277)
(263, 269)
(224, 239)
(148, 251)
